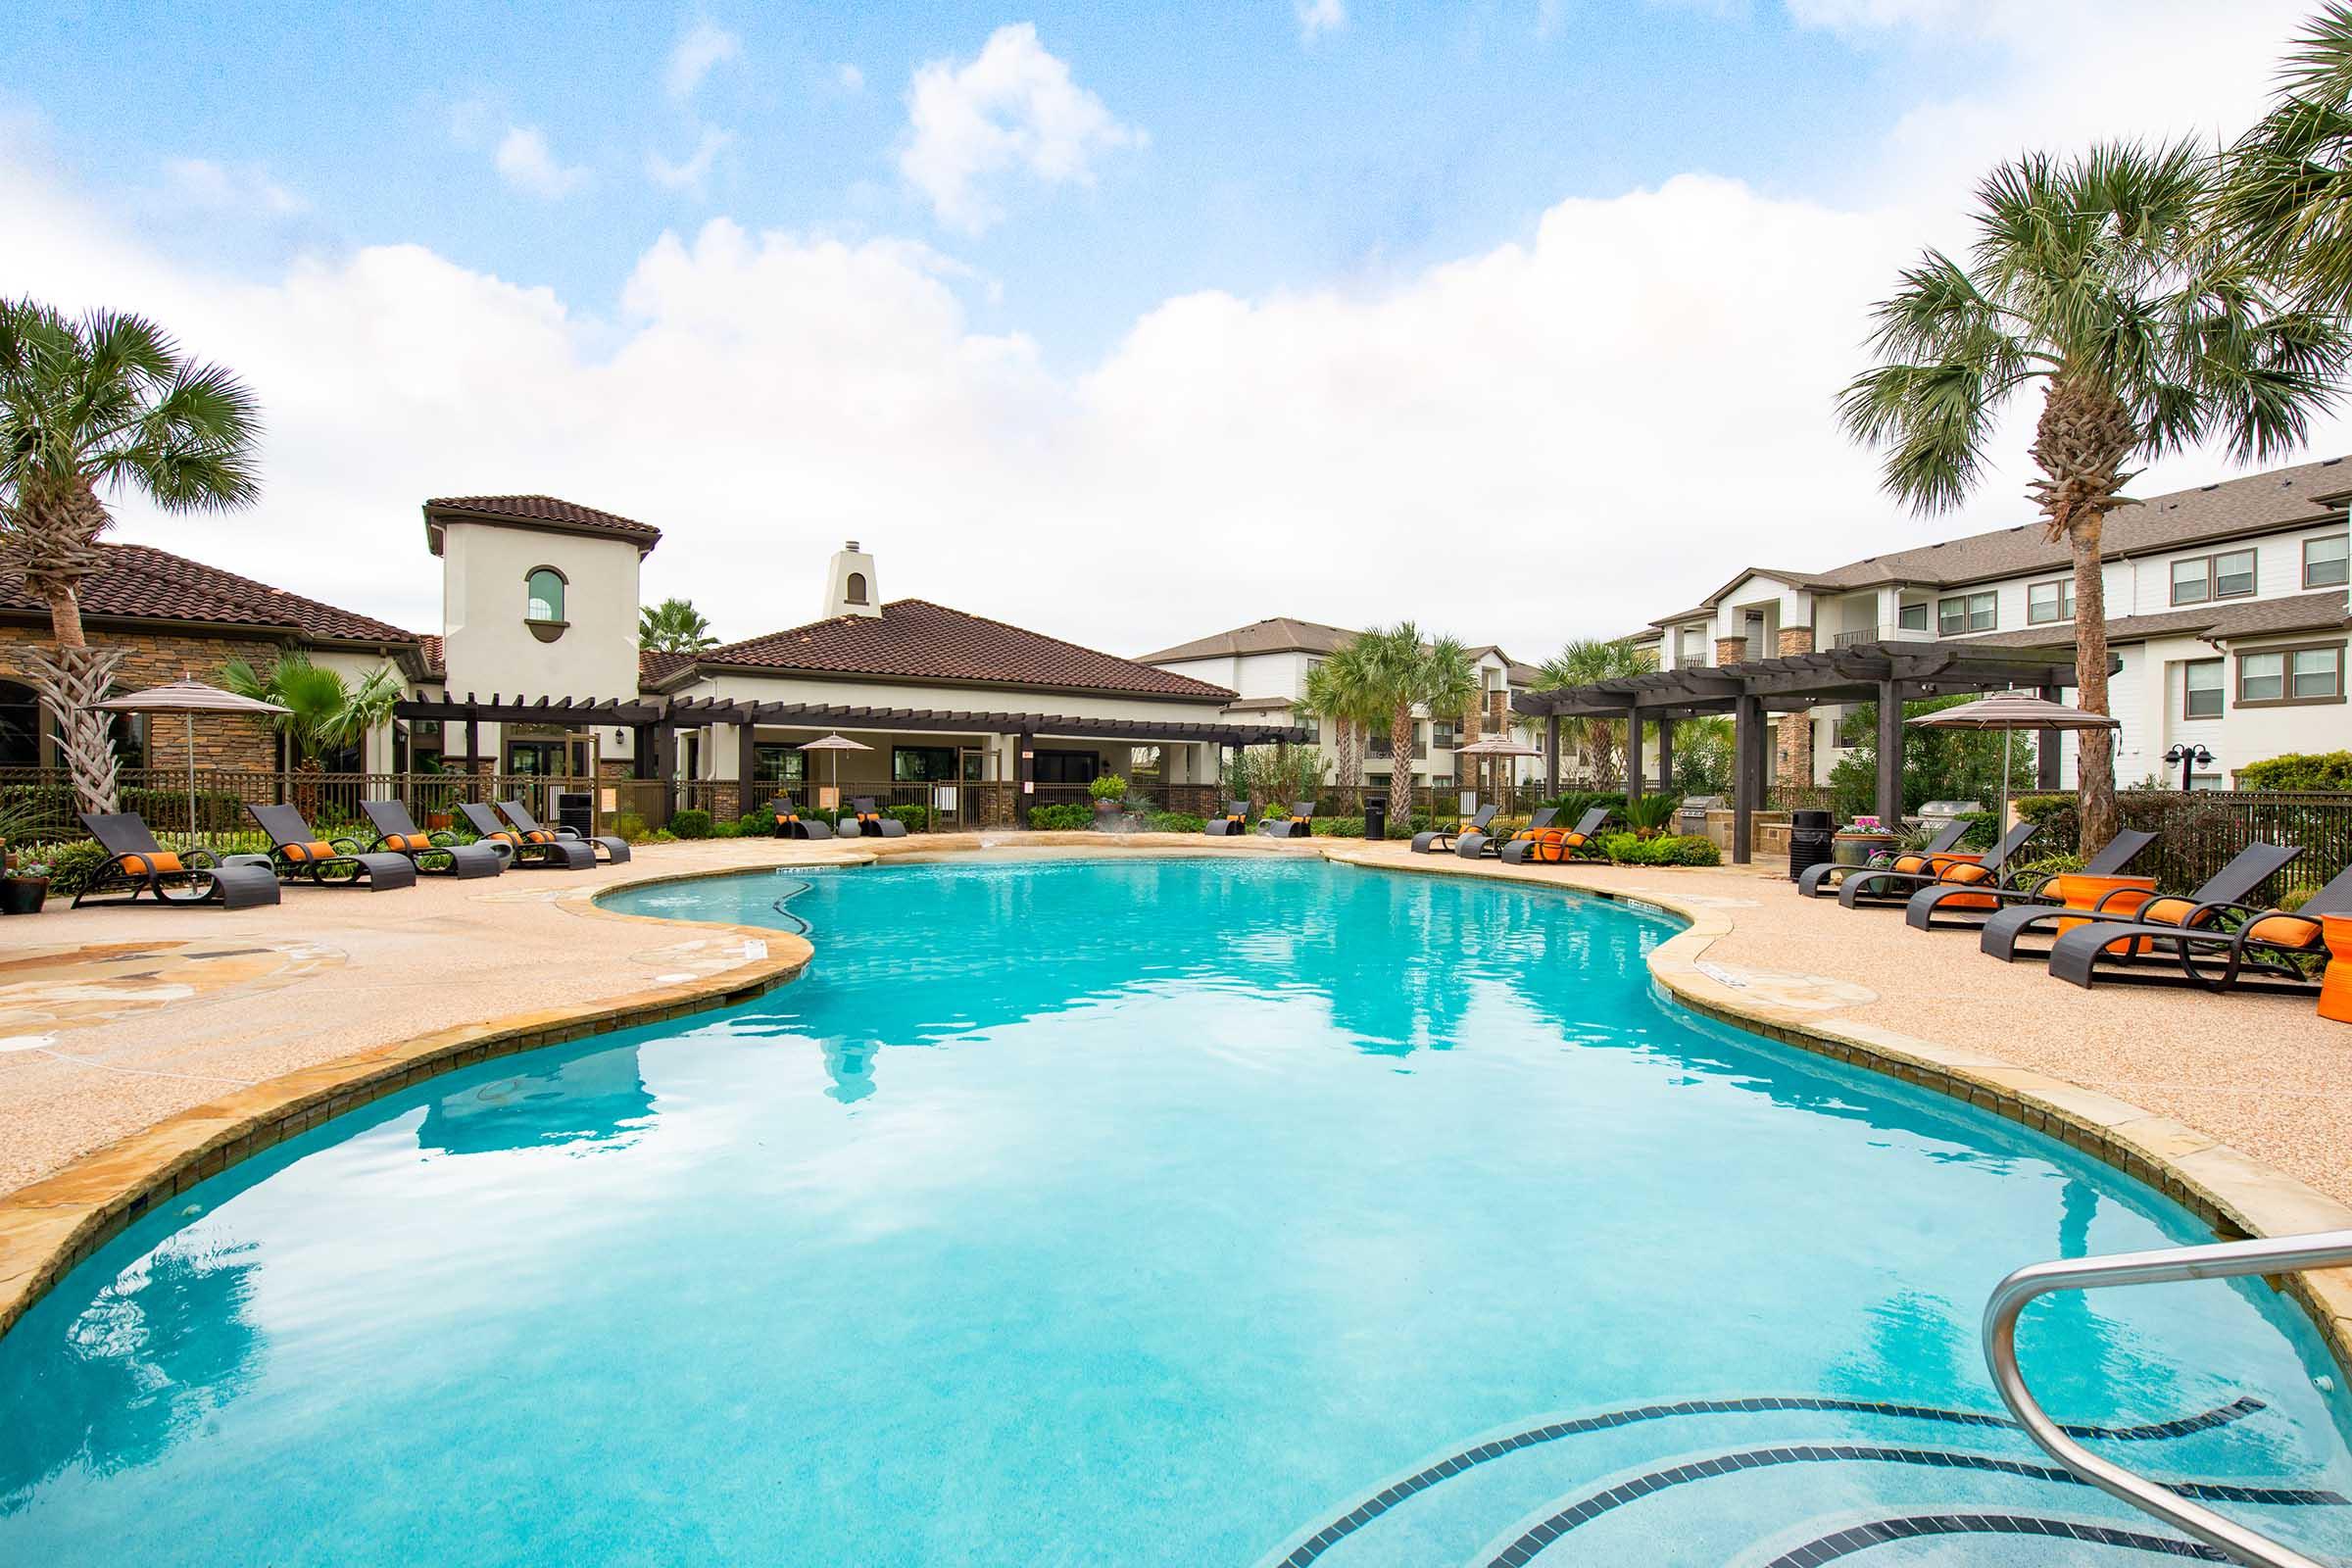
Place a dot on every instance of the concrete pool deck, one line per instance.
(142, 1050)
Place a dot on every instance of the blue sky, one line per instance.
(1071, 311)
(1273, 159)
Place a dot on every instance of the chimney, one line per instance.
(851, 587)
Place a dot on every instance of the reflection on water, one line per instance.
(598, 1099)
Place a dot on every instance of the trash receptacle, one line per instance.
(571, 809)
(1376, 817)
(1811, 840)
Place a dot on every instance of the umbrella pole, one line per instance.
(190, 721)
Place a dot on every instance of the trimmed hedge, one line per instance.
(2299, 771)
(1670, 849)
(692, 823)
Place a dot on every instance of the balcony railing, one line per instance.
(1881, 634)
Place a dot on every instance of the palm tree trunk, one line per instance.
(2079, 444)
(2094, 759)
(1401, 750)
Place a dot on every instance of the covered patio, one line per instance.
(1888, 673)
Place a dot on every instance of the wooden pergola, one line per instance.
(1888, 673)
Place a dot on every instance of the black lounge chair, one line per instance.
(1814, 881)
(546, 852)
(2229, 887)
(1227, 827)
(1292, 827)
(1875, 887)
(1439, 840)
(136, 865)
(2264, 952)
(1477, 844)
(302, 855)
(791, 824)
(1551, 845)
(615, 849)
(397, 833)
(871, 823)
(1957, 902)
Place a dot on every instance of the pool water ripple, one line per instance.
(1128, 1212)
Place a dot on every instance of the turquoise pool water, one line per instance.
(1136, 1213)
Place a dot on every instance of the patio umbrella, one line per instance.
(837, 744)
(2008, 712)
(1502, 745)
(187, 698)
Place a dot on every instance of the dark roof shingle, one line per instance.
(1279, 634)
(915, 639)
(2252, 617)
(538, 512)
(141, 582)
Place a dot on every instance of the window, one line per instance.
(2048, 602)
(545, 599)
(857, 588)
(1693, 648)
(20, 726)
(2326, 563)
(777, 763)
(1442, 733)
(1912, 618)
(1964, 613)
(2227, 575)
(2201, 687)
(926, 765)
(2287, 675)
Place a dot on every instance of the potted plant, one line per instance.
(23, 888)
(1110, 795)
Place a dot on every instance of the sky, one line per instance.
(1127, 323)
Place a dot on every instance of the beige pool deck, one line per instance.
(142, 1050)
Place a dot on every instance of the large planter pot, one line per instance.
(1109, 807)
(22, 894)
(1855, 845)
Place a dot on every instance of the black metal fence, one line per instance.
(207, 806)
(2198, 832)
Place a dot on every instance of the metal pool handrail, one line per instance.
(2286, 1254)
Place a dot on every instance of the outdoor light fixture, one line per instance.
(2187, 758)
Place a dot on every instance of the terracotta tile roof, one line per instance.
(1281, 635)
(653, 667)
(538, 512)
(435, 655)
(142, 583)
(915, 639)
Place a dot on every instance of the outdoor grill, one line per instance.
(1938, 813)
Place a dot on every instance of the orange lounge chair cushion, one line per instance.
(1911, 864)
(2283, 931)
(315, 849)
(507, 838)
(540, 835)
(407, 843)
(2165, 911)
(157, 862)
(1968, 871)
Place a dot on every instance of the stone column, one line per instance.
(1793, 743)
(1731, 651)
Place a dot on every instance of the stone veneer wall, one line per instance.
(156, 659)
(1792, 746)
(1730, 650)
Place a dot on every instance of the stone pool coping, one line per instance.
(2227, 1189)
(52, 1224)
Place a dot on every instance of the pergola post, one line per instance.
(1747, 773)
(474, 744)
(1665, 754)
(1551, 754)
(1891, 755)
(665, 768)
(1633, 754)
(641, 749)
(747, 763)
(2046, 751)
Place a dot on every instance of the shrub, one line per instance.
(692, 823)
(1669, 849)
(759, 823)
(71, 866)
(1071, 819)
(629, 825)
(2299, 770)
(1108, 787)
(1576, 803)
(916, 818)
(1649, 816)
(1336, 827)
(1174, 822)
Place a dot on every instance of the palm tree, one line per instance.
(2098, 279)
(1581, 661)
(1402, 672)
(674, 627)
(104, 401)
(323, 713)
(2285, 197)
(1341, 688)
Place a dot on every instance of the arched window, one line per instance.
(856, 593)
(545, 600)
(20, 726)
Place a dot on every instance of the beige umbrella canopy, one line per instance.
(2014, 710)
(835, 743)
(188, 698)
(1505, 744)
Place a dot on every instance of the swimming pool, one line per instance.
(1151, 1211)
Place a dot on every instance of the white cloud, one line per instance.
(702, 48)
(526, 161)
(690, 175)
(201, 182)
(1621, 408)
(1319, 17)
(1012, 109)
